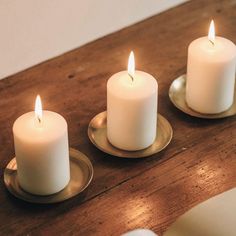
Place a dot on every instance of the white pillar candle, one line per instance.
(42, 152)
(131, 109)
(210, 73)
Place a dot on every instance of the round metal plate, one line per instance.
(177, 93)
(97, 132)
(81, 171)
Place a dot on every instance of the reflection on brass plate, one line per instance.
(97, 132)
(81, 171)
(177, 93)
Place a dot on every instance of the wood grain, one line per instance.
(125, 194)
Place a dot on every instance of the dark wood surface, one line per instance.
(125, 194)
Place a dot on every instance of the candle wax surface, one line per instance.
(124, 87)
(51, 125)
(131, 110)
(210, 75)
(42, 153)
(223, 49)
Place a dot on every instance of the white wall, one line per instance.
(33, 31)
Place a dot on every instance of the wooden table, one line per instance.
(125, 194)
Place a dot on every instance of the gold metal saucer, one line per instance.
(177, 94)
(97, 132)
(81, 171)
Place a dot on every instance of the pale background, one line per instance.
(33, 31)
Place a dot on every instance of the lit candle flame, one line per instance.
(131, 65)
(38, 109)
(211, 33)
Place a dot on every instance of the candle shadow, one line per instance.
(114, 162)
(39, 208)
(195, 120)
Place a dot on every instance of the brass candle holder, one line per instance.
(81, 171)
(177, 93)
(97, 132)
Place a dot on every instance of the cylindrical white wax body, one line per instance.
(131, 110)
(210, 75)
(42, 153)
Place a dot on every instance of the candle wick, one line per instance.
(39, 119)
(212, 42)
(132, 78)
